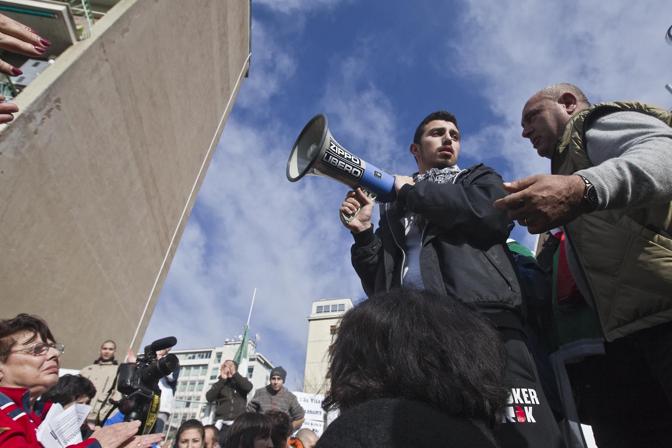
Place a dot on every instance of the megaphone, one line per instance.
(316, 152)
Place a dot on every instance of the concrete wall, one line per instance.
(100, 170)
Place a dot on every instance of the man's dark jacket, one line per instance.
(463, 253)
(230, 395)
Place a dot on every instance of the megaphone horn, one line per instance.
(316, 152)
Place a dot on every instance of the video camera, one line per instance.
(139, 383)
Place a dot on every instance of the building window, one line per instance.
(250, 371)
(319, 308)
(218, 359)
(334, 308)
(341, 307)
(332, 330)
(199, 355)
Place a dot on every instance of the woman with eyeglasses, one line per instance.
(29, 363)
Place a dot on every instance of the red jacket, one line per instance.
(18, 422)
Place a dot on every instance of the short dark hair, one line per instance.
(69, 388)
(189, 424)
(22, 322)
(247, 427)
(418, 346)
(437, 115)
(282, 428)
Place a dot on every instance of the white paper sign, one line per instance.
(61, 427)
(312, 404)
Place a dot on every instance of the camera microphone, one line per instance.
(161, 344)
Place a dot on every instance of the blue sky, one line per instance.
(376, 68)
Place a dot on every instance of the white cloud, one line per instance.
(270, 67)
(293, 6)
(363, 118)
(256, 229)
(613, 50)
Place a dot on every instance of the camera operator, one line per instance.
(29, 363)
(146, 382)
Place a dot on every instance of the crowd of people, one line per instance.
(30, 385)
(455, 343)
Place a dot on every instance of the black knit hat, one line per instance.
(279, 371)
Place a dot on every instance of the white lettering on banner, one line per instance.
(312, 405)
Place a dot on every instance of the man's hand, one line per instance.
(131, 357)
(232, 367)
(544, 201)
(358, 205)
(400, 181)
(225, 372)
(144, 441)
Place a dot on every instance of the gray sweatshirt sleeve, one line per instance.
(632, 154)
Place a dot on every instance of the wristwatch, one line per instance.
(589, 201)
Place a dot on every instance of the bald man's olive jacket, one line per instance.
(624, 255)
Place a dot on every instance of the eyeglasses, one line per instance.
(41, 348)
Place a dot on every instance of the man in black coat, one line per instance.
(443, 234)
(229, 393)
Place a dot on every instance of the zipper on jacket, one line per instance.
(422, 236)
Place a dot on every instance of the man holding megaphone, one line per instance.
(443, 234)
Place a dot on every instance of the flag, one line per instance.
(242, 357)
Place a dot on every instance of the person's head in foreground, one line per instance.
(71, 389)
(250, 430)
(211, 436)
(418, 346)
(281, 428)
(29, 355)
(304, 438)
(190, 434)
